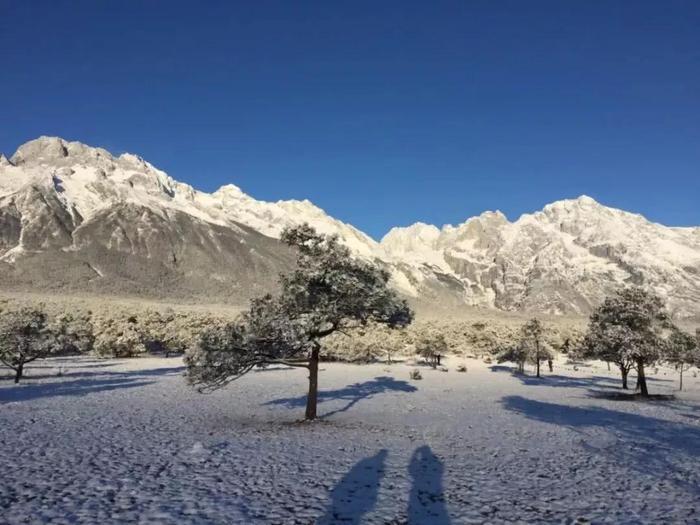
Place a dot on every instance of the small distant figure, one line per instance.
(438, 357)
(550, 364)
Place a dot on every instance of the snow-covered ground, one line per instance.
(127, 441)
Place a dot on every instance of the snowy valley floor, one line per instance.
(127, 441)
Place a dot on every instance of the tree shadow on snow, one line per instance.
(352, 393)
(356, 493)
(426, 504)
(89, 382)
(556, 380)
(77, 388)
(651, 445)
(28, 377)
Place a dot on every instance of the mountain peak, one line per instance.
(229, 190)
(45, 148)
(55, 150)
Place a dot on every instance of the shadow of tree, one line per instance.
(556, 380)
(27, 379)
(78, 388)
(94, 382)
(647, 444)
(351, 393)
(356, 493)
(426, 504)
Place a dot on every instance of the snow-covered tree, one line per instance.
(628, 329)
(328, 292)
(517, 354)
(431, 348)
(159, 332)
(74, 333)
(682, 352)
(25, 336)
(531, 348)
(532, 337)
(119, 336)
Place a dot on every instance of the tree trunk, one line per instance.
(550, 363)
(19, 371)
(608, 363)
(624, 373)
(641, 379)
(681, 385)
(312, 398)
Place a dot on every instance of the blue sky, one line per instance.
(382, 113)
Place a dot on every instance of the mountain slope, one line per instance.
(563, 259)
(76, 218)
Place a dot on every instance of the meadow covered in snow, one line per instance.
(87, 440)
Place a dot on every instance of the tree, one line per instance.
(515, 354)
(328, 292)
(532, 337)
(431, 348)
(682, 352)
(530, 348)
(25, 336)
(159, 332)
(628, 329)
(74, 333)
(119, 336)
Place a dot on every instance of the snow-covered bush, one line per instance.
(119, 337)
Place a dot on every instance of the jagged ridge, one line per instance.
(117, 224)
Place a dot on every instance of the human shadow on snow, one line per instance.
(426, 502)
(649, 444)
(351, 393)
(355, 495)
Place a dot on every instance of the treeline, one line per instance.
(631, 330)
(31, 332)
(465, 338)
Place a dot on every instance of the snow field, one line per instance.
(127, 441)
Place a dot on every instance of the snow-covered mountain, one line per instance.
(563, 259)
(78, 219)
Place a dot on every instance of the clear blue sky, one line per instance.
(382, 113)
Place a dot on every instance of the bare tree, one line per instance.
(328, 292)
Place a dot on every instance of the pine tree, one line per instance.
(328, 292)
(628, 329)
(25, 336)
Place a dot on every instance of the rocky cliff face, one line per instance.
(563, 259)
(74, 218)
